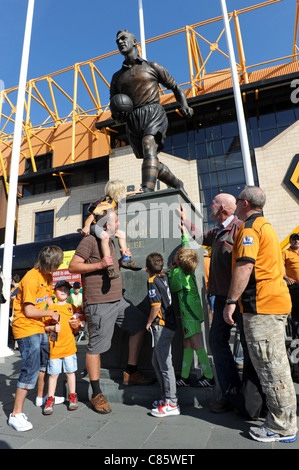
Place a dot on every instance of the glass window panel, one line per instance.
(266, 136)
(235, 176)
(181, 152)
(267, 118)
(206, 197)
(39, 228)
(28, 190)
(202, 165)
(285, 118)
(236, 189)
(218, 178)
(48, 227)
(51, 185)
(230, 129)
(201, 150)
(234, 160)
(217, 163)
(44, 225)
(39, 188)
(199, 134)
(85, 213)
(39, 217)
(48, 216)
(214, 132)
(88, 178)
(232, 145)
(204, 181)
(210, 149)
(218, 147)
(179, 139)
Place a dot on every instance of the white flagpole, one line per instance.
(13, 187)
(141, 26)
(238, 100)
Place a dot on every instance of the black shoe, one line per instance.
(181, 382)
(220, 406)
(204, 382)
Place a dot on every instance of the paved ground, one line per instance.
(129, 431)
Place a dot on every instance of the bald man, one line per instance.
(221, 239)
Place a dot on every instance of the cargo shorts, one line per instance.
(101, 319)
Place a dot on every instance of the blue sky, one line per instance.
(69, 31)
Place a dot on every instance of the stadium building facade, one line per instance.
(65, 164)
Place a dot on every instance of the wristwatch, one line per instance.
(229, 301)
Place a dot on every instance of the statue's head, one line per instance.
(125, 41)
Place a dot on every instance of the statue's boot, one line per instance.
(167, 177)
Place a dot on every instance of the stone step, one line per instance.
(115, 392)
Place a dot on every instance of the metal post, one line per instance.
(238, 100)
(141, 25)
(13, 187)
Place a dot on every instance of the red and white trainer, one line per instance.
(73, 401)
(166, 410)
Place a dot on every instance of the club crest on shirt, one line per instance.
(152, 293)
(247, 241)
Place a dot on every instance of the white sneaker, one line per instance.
(19, 422)
(42, 401)
(166, 410)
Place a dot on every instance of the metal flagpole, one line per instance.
(13, 187)
(141, 25)
(238, 100)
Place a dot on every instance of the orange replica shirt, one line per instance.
(291, 262)
(65, 344)
(34, 288)
(266, 292)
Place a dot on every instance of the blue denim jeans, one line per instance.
(34, 350)
(225, 366)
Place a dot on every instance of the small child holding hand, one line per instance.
(62, 347)
(182, 280)
(115, 192)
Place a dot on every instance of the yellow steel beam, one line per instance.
(4, 173)
(240, 48)
(196, 79)
(60, 174)
(74, 114)
(53, 101)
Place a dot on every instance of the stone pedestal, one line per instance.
(152, 225)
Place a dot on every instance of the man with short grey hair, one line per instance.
(257, 285)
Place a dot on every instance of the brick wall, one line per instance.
(67, 210)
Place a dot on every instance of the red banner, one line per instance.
(65, 275)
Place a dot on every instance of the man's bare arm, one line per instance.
(240, 278)
(78, 265)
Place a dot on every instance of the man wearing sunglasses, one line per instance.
(257, 285)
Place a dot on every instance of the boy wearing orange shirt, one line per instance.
(29, 331)
(62, 347)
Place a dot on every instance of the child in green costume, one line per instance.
(182, 280)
